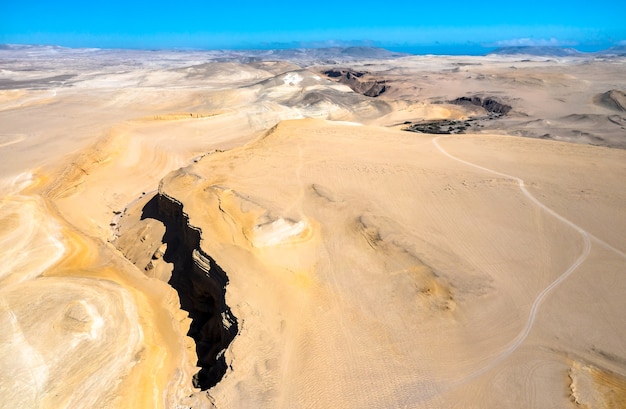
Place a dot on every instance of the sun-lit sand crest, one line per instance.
(78, 309)
(6, 140)
(18, 183)
(30, 239)
(293, 78)
(277, 231)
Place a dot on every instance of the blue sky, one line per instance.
(258, 24)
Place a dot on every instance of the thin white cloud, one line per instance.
(317, 44)
(534, 42)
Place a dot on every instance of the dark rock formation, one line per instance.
(495, 109)
(360, 82)
(441, 126)
(613, 99)
(490, 104)
(201, 286)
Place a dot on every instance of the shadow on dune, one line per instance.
(201, 286)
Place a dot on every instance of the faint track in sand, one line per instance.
(587, 237)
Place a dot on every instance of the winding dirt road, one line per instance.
(586, 236)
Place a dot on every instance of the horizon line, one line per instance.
(582, 48)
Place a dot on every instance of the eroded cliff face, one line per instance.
(201, 287)
(491, 105)
(360, 82)
(86, 328)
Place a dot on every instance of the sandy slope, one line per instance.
(367, 267)
(412, 283)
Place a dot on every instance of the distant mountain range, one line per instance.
(558, 51)
(339, 52)
(306, 56)
(313, 55)
(322, 55)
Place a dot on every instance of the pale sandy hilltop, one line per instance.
(263, 230)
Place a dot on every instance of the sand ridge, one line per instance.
(374, 237)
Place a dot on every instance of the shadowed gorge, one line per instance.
(360, 82)
(201, 286)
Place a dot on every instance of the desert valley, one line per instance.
(323, 228)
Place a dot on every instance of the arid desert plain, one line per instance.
(334, 228)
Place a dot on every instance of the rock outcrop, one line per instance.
(201, 286)
(614, 100)
(491, 105)
(361, 82)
